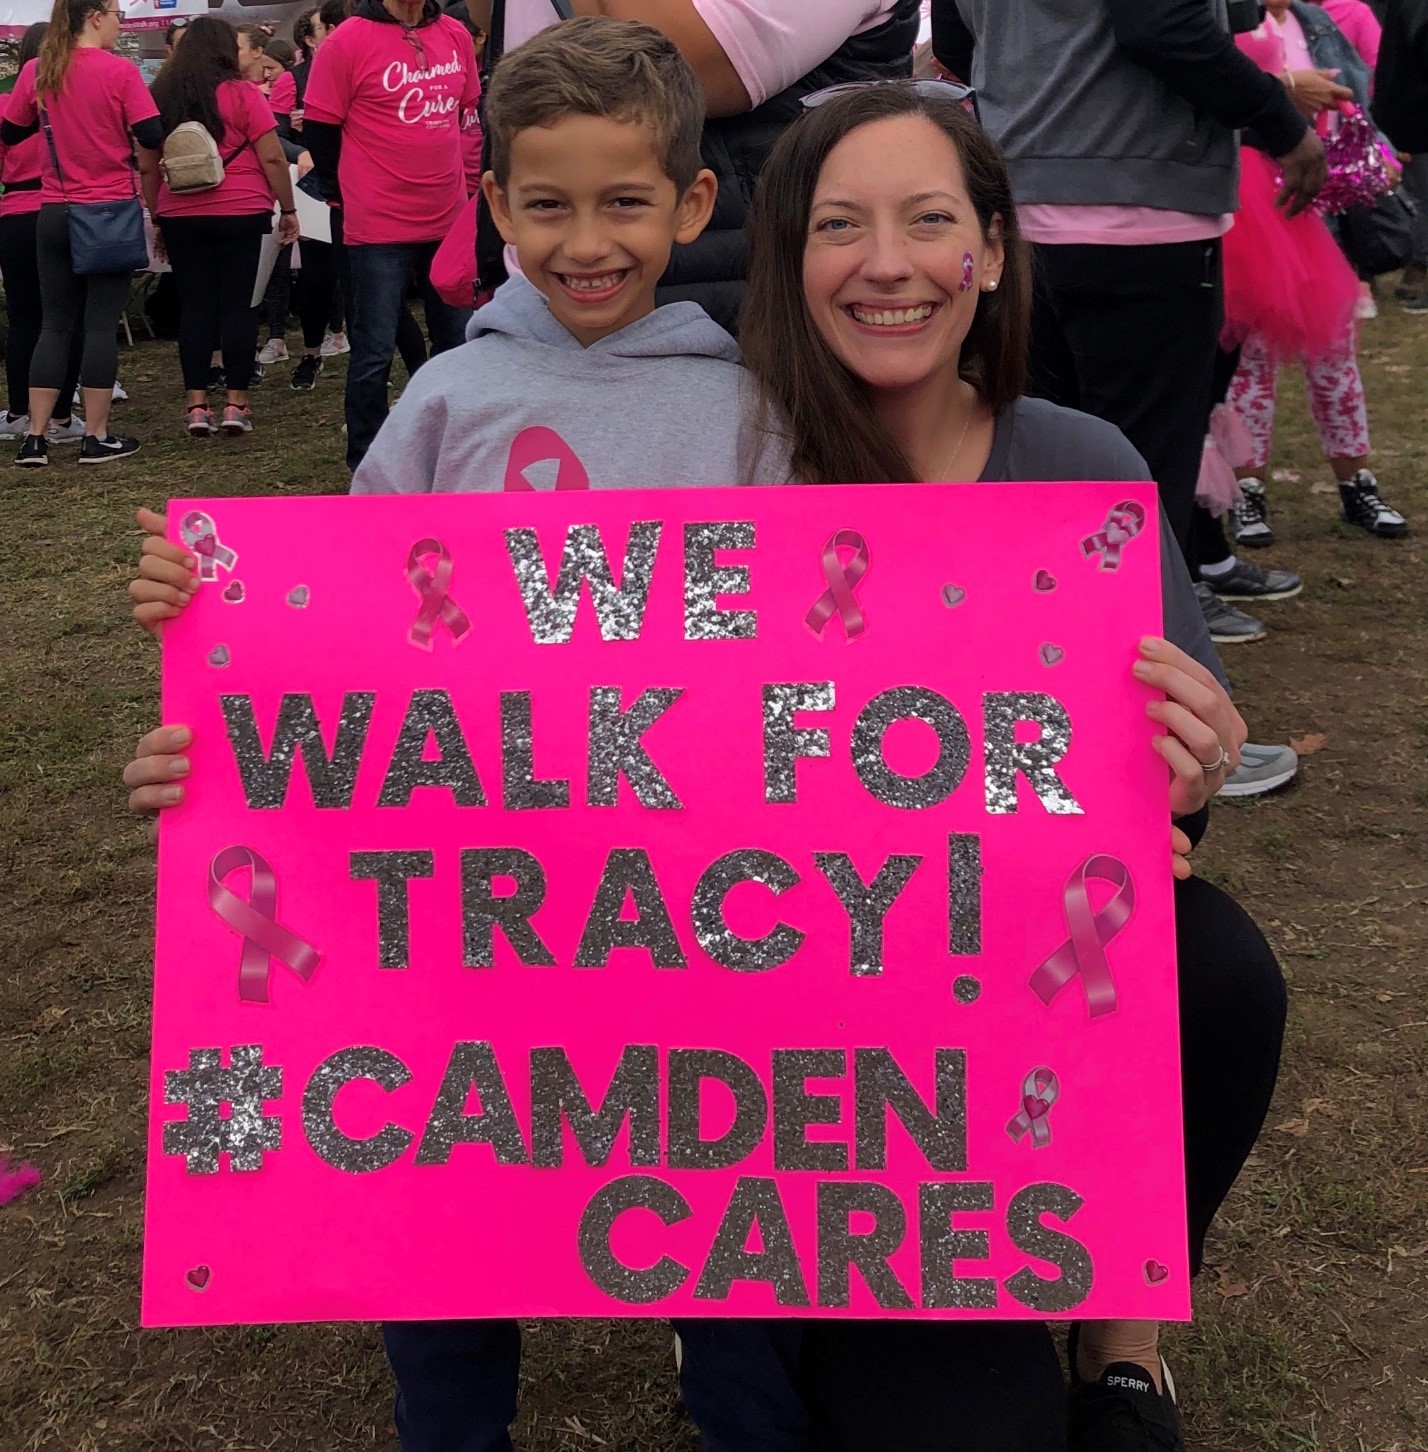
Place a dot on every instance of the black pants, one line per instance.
(807, 1386)
(325, 280)
(215, 262)
(70, 303)
(1130, 334)
(20, 267)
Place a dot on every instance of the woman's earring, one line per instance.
(992, 285)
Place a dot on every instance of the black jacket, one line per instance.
(1400, 97)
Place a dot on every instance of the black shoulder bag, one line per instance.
(490, 247)
(104, 237)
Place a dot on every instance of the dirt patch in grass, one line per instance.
(1310, 1329)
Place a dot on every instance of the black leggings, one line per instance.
(325, 282)
(844, 1386)
(19, 265)
(67, 300)
(215, 262)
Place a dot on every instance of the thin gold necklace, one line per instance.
(961, 439)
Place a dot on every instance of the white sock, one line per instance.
(1217, 572)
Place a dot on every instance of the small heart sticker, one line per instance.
(233, 592)
(298, 597)
(1155, 1272)
(219, 656)
(198, 1278)
(953, 596)
(1044, 582)
(1052, 655)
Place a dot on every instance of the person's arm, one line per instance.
(323, 142)
(1400, 105)
(149, 180)
(149, 133)
(13, 135)
(324, 107)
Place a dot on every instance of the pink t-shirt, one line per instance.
(283, 97)
(1297, 55)
(21, 164)
(473, 139)
(399, 96)
(102, 98)
(1360, 26)
(244, 190)
(1054, 224)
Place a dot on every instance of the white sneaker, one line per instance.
(14, 428)
(69, 433)
(273, 351)
(117, 393)
(335, 344)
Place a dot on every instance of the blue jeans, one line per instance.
(381, 273)
(456, 1383)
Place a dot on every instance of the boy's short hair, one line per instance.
(594, 66)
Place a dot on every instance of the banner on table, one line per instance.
(16, 16)
(693, 902)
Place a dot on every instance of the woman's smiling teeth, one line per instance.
(890, 317)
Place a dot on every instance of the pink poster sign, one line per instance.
(689, 902)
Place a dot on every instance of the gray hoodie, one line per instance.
(661, 403)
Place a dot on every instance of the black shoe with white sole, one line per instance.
(1364, 506)
(304, 375)
(95, 450)
(1244, 581)
(1121, 1411)
(34, 452)
(1249, 521)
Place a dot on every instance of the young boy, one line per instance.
(572, 378)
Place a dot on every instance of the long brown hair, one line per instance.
(66, 23)
(834, 434)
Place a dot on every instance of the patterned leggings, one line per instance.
(1336, 399)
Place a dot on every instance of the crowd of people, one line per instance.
(1084, 243)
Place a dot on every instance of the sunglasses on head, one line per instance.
(929, 87)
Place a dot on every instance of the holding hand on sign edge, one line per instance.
(166, 581)
(155, 775)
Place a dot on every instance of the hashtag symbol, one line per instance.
(246, 1132)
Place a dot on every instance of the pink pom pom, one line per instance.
(14, 1183)
(1358, 173)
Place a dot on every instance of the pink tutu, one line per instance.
(1284, 279)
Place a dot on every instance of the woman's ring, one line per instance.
(1222, 764)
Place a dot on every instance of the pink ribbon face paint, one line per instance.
(969, 272)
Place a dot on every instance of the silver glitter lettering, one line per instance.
(785, 742)
(551, 610)
(866, 903)
(1033, 1238)
(616, 749)
(954, 747)
(330, 1144)
(880, 1085)
(687, 1071)
(726, 947)
(246, 1133)
(628, 874)
(943, 1245)
(520, 789)
(755, 1204)
(266, 775)
(472, 1065)
(634, 1287)
(431, 714)
(392, 871)
(705, 581)
(964, 894)
(557, 1097)
(1036, 760)
(482, 911)
(794, 1109)
(840, 1249)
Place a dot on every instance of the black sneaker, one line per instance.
(304, 376)
(34, 452)
(95, 450)
(1122, 1412)
(1412, 283)
(257, 375)
(1244, 581)
(217, 379)
(1364, 507)
(1249, 521)
(1227, 625)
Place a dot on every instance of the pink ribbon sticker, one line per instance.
(433, 586)
(1039, 1091)
(838, 599)
(198, 534)
(264, 937)
(1122, 525)
(1084, 952)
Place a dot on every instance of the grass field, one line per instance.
(1312, 1314)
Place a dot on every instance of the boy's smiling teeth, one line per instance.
(891, 317)
(602, 283)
